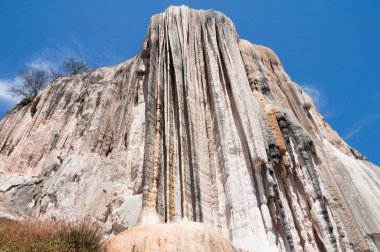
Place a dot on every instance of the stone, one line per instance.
(200, 127)
(181, 236)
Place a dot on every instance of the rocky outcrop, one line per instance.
(201, 126)
(180, 236)
(84, 146)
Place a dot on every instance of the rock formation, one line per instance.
(201, 126)
(180, 236)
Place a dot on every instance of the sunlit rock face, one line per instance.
(201, 126)
(181, 236)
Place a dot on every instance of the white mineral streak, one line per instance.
(200, 127)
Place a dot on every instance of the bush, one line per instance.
(25, 236)
(81, 236)
(25, 101)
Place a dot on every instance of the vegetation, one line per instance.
(25, 236)
(34, 79)
(74, 66)
(25, 101)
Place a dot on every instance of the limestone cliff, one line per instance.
(201, 126)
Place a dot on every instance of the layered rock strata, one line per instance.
(201, 126)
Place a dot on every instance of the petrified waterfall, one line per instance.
(201, 126)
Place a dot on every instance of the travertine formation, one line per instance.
(201, 126)
(180, 236)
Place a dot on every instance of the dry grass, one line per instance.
(25, 236)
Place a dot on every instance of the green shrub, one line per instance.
(25, 101)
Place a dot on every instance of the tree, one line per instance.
(74, 66)
(55, 74)
(32, 81)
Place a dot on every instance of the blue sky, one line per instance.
(331, 48)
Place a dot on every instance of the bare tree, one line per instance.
(55, 74)
(32, 81)
(74, 66)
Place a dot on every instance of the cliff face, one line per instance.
(201, 126)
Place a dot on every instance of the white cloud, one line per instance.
(314, 93)
(48, 59)
(362, 123)
(52, 57)
(5, 94)
(319, 99)
(42, 63)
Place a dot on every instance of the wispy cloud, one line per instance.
(5, 94)
(361, 125)
(48, 59)
(43, 63)
(314, 93)
(52, 57)
(320, 100)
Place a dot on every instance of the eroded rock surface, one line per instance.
(202, 126)
(181, 236)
